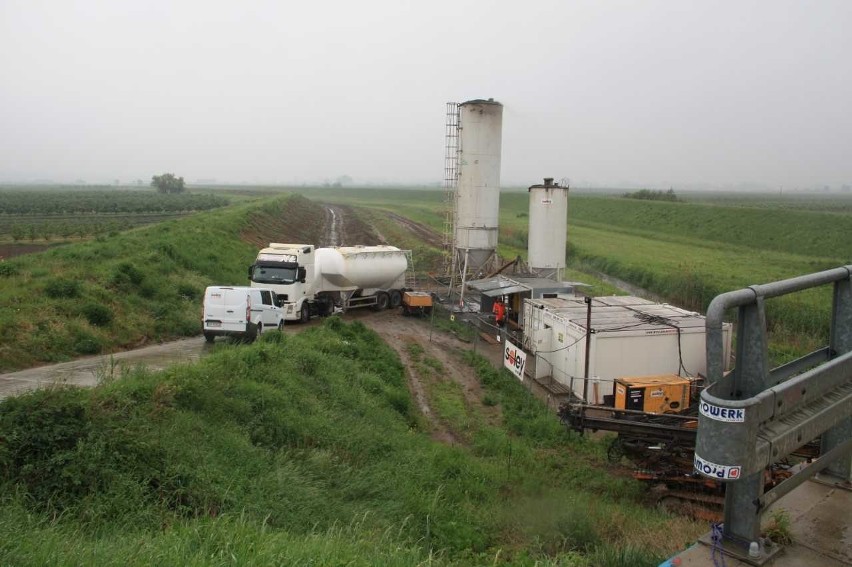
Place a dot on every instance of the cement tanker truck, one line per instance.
(313, 281)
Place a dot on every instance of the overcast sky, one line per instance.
(647, 92)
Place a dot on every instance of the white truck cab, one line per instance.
(240, 311)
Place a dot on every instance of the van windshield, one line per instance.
(266, 274)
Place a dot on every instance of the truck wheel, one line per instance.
(209, 337)
(305, 315)
(382, 301)
(395, 298)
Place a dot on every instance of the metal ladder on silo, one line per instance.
(410, 274)
(451, 174)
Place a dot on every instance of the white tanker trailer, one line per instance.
(313, 281)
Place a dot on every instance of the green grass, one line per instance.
(64, 201)
(821, 235)
(148, 282)
(302, 449)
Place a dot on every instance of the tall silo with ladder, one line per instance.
(476, 195)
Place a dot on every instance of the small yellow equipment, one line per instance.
(416, 303)
(663, 393)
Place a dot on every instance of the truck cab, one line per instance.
(287, 269)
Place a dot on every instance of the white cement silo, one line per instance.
(477, 205)
(548, 230)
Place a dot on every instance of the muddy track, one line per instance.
(343, 227)
(333, 233)
(400, 333)
(425, 233)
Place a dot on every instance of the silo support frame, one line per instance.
(467, 272)
(463, 281)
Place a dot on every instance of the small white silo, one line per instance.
(477, 205)
(548, 230)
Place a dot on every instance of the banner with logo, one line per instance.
(515, 359)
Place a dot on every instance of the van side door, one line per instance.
(270, 317)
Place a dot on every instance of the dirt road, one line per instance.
(86, 371)
(409, 336)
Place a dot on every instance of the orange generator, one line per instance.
(662, 393)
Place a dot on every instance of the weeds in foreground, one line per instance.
(779, 529)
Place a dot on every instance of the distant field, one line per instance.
(812, 201)
(46, 202)
(816, 233)
(48, 214)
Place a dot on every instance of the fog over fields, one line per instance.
(718, 94)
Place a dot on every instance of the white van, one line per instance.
(240, 312)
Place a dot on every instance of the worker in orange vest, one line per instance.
(499, 311)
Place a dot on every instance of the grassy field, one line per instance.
(305, 449)
(143, 285)
(689, 253)
(799, 201)
(45, 214)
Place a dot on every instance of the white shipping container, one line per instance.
(630, 336)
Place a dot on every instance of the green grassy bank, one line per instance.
(306, 449)
(131, 288)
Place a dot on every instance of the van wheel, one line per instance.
(382, 301)
(395, 298)
(305, 315)
(209, 337)
(281, 325)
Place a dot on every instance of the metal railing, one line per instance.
(756, 416)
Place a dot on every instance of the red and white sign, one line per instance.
(722, 472)
(515, 359)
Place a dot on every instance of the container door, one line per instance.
(224, 305)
